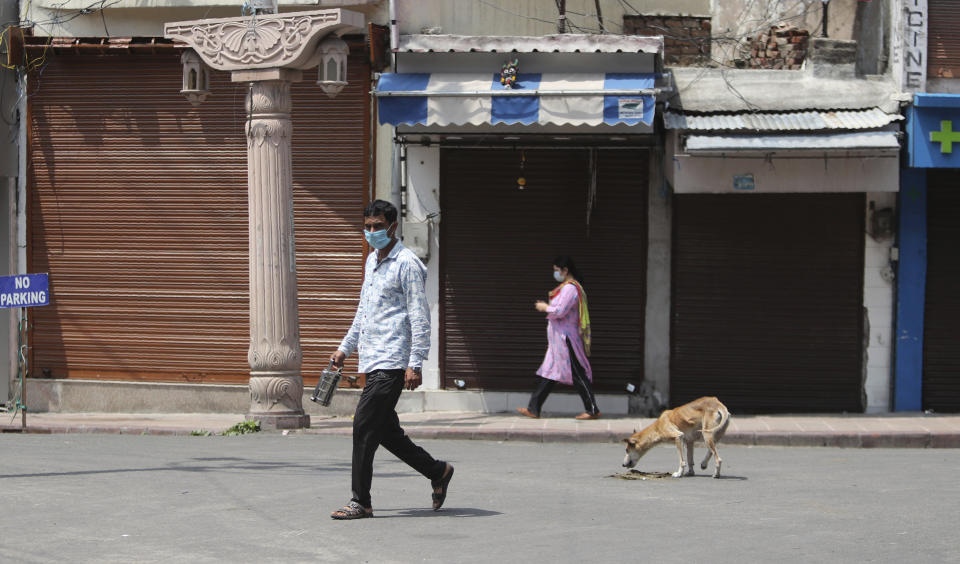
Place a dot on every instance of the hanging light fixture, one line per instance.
(332, 72)
(196, 77)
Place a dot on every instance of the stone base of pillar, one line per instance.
(278, 422)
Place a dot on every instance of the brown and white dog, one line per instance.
(706, 417)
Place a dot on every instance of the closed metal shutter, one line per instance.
(943, 41)
(138, 211)
(497, 247)
(941, 317)
(767, 307)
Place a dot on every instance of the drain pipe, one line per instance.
(394, 33)
(396, 192)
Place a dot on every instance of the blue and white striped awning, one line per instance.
(548, 98)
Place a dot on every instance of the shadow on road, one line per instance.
(445, 512)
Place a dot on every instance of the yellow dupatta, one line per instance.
(584, 312)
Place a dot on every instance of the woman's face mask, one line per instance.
(558, 275)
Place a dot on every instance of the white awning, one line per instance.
(866, 140)
(537, 98)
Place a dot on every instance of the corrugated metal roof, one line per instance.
(558, 43)
(831, 141)
(782, 121)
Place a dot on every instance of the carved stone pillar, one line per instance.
(276, 387)
(269, 51)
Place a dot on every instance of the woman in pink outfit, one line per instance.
(568, 342)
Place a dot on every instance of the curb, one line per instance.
(95, 429)
(897, 439)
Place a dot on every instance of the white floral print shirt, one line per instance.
(392, 326)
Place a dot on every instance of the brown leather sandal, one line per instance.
(352, 510)
(527, 412)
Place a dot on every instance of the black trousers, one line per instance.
(580, 382)
(376, 423)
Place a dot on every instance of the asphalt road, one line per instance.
(267, 498)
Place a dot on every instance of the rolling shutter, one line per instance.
(138, 211)
(941, 331)
(497, 247)
(767, 309)
(943, 41)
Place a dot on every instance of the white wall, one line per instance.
(525, 17)
(878, 299)
(824, 173)
(423, 197)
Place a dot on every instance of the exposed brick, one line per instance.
(686, 38)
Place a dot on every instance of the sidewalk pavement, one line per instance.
(915, 430)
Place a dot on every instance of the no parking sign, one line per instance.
(24, 290)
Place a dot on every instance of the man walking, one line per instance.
(391, 330)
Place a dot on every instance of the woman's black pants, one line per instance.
(580, 382)
(376, 423)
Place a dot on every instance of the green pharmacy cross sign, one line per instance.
(946, 137)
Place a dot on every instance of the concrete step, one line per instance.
(101, 396)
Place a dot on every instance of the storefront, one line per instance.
(774, 300)
(928, 305)
(138, 210)
(501, 181)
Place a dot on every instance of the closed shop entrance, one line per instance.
(941, 331)
(767, 310)
(497, 246)
(138, 211)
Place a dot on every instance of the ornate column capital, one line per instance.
(265, 41)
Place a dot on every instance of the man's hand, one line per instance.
(337, 358)
(412, 379)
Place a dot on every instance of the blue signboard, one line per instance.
(743, 182)
(24, 290)
(934, 131)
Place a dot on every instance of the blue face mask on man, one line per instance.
(377, 239)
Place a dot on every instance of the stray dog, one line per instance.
(706, 416)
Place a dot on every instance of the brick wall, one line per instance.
(686, 39)
(781, 47)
